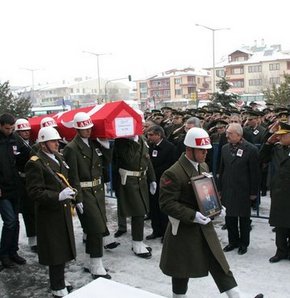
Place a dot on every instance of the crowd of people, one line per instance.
(247, 152)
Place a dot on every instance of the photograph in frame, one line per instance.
(206, 195)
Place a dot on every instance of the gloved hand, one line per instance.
(153, 187)
(80, 207)
(66, 193)
(201, 219)
(223, 211)
(108, 187)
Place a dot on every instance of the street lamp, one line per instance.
(98, 67)
(32, 70)
(213, 30)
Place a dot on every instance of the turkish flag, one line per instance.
(111, 120)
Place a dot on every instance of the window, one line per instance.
(177, 81)
(255, 68)
(275, 80)
(238, 84)
(143, 85)
(177, 91)
(255, 82)
(220, 73)
(237, 70)
(274, 66)
(166, 92)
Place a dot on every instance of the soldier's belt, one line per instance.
(93, 183)
(125, 173)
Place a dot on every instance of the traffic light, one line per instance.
(129, 78)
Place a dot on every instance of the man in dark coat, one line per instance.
(279, 187)
(46, 184)
(9, 193)
(22, 134)
(134, 171)
(88, 161)
(163, 155)
(239, 184)
(191, 247)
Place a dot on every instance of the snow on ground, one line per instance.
(252, 271)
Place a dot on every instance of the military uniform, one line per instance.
(54, 227)
(87, 174)
(195, 249)
(133, 161)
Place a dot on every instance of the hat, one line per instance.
(283, 128)
(155, 111)
(218, 123)
(253, 114)
(166, 108)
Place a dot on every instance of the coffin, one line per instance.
(111, 120)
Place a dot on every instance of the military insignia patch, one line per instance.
(166, 181)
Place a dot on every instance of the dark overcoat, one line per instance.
(188, 253)
(88, 164)
(280, 182)
(133, 197)
(54, 227)
(239, 178)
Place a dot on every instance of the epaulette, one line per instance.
(34, 158)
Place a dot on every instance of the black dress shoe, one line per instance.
(69, 288)
(259, 296)
(229, 247)
(242, 250)
(112, 245)
(17, 259)
(276, 259)
(6, 262)
(119, 233)
(146, 255)
(106, 276)
(152, 236)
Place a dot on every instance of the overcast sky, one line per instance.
(142, 37)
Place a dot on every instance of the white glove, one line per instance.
(153, 187)
(66, 193)
(80, 207)
(104, 142)
(108, 187)
(223, 211)
(201, 219)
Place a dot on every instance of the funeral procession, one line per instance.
(145, 159)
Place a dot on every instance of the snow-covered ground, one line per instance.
(252, 271)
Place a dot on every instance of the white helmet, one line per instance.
(48, 133)
(22, 124)
(82, 121)
(197, 138)
(47, 121)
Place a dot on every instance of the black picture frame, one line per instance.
(206, 195)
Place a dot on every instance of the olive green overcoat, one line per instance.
(186, 254)
(89, 164)
(54, 227)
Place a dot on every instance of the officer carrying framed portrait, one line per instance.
(206, 195)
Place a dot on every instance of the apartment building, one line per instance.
(253, 70)
(172, 86)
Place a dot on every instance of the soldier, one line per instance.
(9, 193)
(46, 184)
(133, 167)
(191, 247)
(23, 129)
(88, 161)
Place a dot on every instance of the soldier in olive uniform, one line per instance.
(88, 162)
(46, 184)
(133, 168)
(191, 247)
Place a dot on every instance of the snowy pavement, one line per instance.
(252, 271)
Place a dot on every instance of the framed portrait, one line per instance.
(206, 194)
